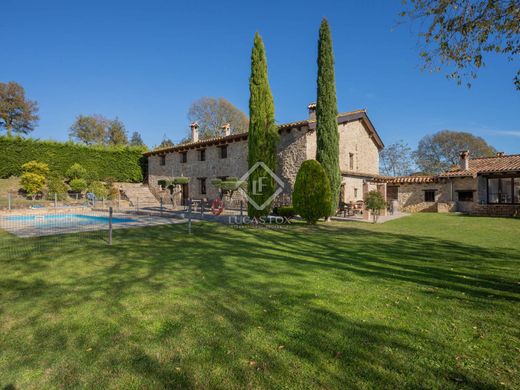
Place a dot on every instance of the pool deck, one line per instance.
(27, 228)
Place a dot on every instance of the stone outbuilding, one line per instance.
(478, 186)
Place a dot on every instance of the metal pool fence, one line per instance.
(12, 200)
(26, 231)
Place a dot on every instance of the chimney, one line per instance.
(500, 154)
(194, 132)
(312, 111)
(464, 160)
(226, 129)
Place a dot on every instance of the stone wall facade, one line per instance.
(235, 165)
(293, 150)
(296, 145)
(411, 198)
(358, 152)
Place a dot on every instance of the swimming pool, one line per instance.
(64, 219)
(47, 224)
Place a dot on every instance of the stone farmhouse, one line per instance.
(226, 156)
(484, 186)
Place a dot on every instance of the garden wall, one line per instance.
(125, 164)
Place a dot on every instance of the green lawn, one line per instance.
(427, 301)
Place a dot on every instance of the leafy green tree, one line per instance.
(136, 139)
(32, 183)
(89, 129)
(312, 194)
(439, 152)
(36, 167)
(375, 203)
(327, 135)
(116, 133)
(17, 114)
(458, 34)
(263, 133)
(33, 177)
(56, 185)
(76, 171)
(212, 113)
(396, 159)
(229, 186)
(166, 143)
(78, 185)
(98, 189)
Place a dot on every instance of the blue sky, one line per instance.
(147, 61)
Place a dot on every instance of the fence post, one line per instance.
(137, 204)
(103, 202)
(9, 201)
(189, 216)
(202, 209)
(241, 209)
(161, 205)
(110, 212)
(55, 200)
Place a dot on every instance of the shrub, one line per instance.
(76, 171)
(312, 193)
(230, 185)
(375, 203)
(113, 192)
(216, 182)
(122, 163)
(98, 189)
(55, 185)
(36, 167)
(181, 180)
(110, 180)
(286, 211)
(78, 185)
(32, 183)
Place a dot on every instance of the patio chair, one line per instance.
(342, 209)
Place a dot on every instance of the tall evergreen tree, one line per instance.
(263, 133)
(327, 136)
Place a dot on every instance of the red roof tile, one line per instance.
(342, 118)
(410, 179)
(506, 163)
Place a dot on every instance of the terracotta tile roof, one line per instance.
(503, 163)
(362, 174)
(342, 118)
(205, 142)
(410, 179)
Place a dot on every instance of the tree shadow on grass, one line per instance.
(240, 305)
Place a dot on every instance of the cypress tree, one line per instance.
(263, 133)
(327, 136)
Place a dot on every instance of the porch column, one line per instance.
(381, 188)
(366, 212)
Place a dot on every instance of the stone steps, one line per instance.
(139, 195)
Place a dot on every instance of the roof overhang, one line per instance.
(358, 115)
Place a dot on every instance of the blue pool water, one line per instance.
(56, 220)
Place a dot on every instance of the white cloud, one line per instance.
(510, 133)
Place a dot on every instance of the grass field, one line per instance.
(427, 301)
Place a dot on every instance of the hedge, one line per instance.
(126, 164)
